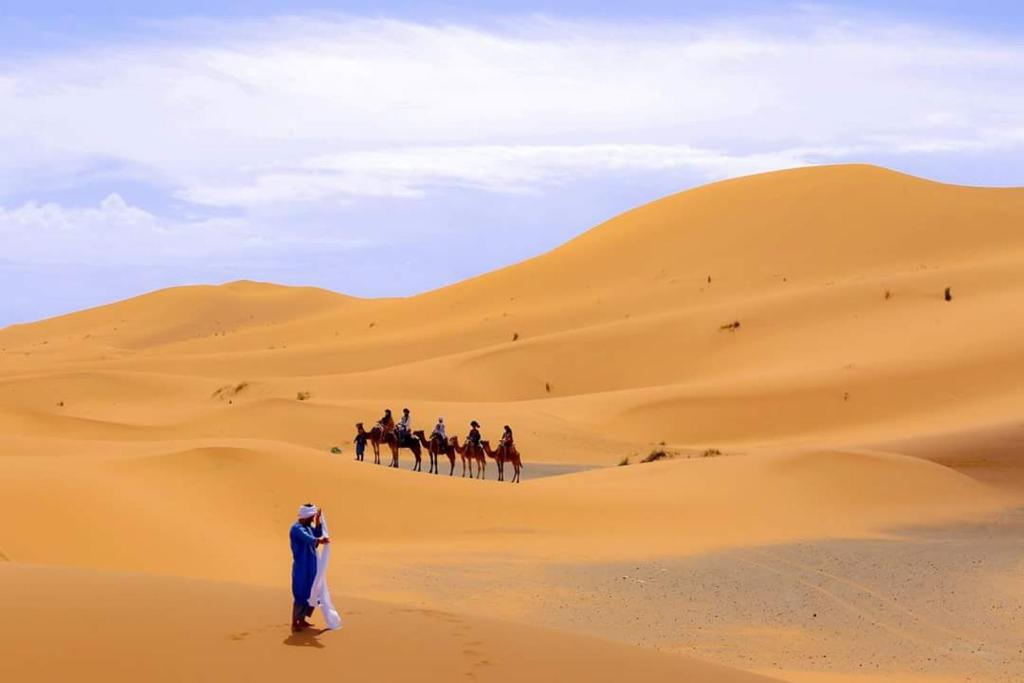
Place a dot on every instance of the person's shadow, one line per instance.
(306, 638)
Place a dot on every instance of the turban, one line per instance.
(306, 511)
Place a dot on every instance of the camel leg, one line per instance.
(452, 472)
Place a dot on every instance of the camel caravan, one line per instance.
(473, 452)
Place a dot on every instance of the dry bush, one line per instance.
(229, 390)
(658, 454)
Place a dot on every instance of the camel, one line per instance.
(501, 456)
(375, 436)
(471, 454)
(434, 447)
(396, 444)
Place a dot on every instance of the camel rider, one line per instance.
(474, 434)
(387, 423)
(439, 430)
(506, 437)
(404, 426)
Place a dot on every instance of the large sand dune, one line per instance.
(167, 436)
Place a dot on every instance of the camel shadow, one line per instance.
(307, 638)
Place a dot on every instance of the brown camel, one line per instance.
(434, 447)
(395, 444)
(501, 456)
(375, 436)
(470, 454)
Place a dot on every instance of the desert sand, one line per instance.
(153, 451)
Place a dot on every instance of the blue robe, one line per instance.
(304, 542)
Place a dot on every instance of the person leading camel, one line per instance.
(360, 439)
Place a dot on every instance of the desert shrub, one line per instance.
(303, 395)
(335, 450)
(732, 327)
(711, 452)
(228, 390)
(515, 336)
(658, 454)
(624, 461)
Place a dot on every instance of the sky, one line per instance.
(385, 149)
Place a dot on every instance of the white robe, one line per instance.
(319, 596)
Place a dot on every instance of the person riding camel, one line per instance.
(506, 438)
(474, 434)
(404, 425)
(387, 423)
(439, 430)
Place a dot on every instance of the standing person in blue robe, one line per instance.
(306, 534)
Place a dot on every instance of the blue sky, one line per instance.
(389, 148)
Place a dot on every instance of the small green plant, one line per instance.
(335, 450)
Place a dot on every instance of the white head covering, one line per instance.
(307, 511)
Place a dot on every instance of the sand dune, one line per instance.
(167, 433)
(179, 630)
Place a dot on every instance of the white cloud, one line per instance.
(286, 111)
(112, 232)
(409, 172)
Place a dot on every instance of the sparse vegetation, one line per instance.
(335, 450)
(515, 336)
(948, 295)
(547, 387)
(888, 295)
(711, 452)
(303, 395)
(230, 390)
(732, 327)
(658, 454)
(624, 461)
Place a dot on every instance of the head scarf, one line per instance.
(307, 511)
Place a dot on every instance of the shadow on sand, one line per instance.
(308, 638)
